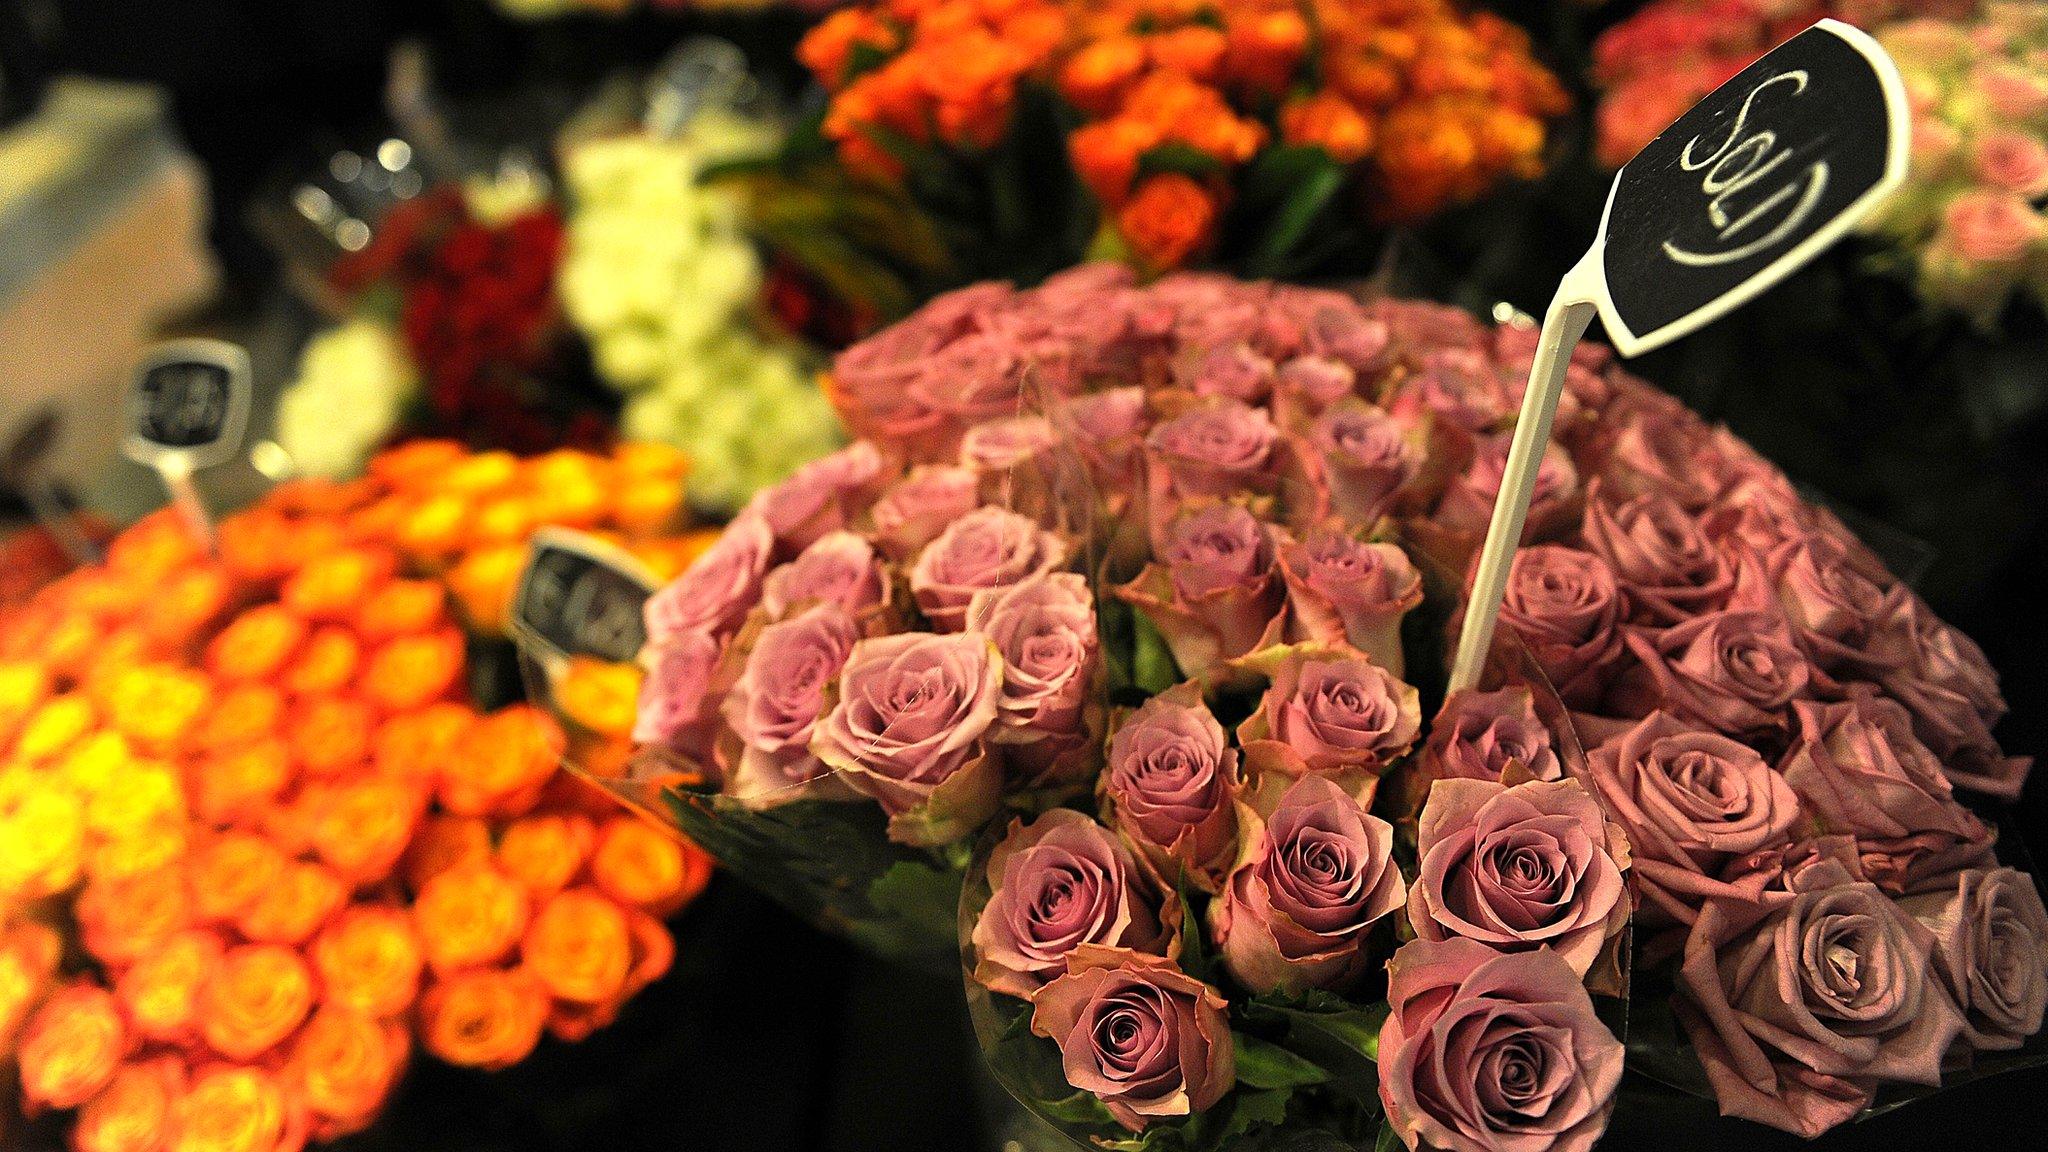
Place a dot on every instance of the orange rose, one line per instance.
(579, 947)
(331, 735)
(468, 916)
(1327, 121)
(161, 991)
(135, 1112)
(228, 873)
(402, 608)
(233, 786)
(345, 1063)
(72, 1047)
(1169, 220)
(236, 1109)
(546, 850)
(29, 952)
(257, 996)
(241, 716)
(410, 672)
(335, 585)
(121, 920)
(488, 1018)
(640, 865)
(417, 744)
(257, 644)
(445, 842)
(369, 960)
(325, 665)
(304, 896)
(362, 827)
(502, 763)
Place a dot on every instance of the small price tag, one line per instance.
(579, 596)
(190, 400)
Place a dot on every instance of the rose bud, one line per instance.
(1487, 736)
(1988, 925)
(819, 497)
(1170, 786)
(1519, 868)
(1368, 456)
(1952, 693)
(1860, 771)
(1565, 605)
(906, 730)
(1309, 884)
(1690, 801)
(987, 548)
(1142, 1036)
(1344, 718)
(715, 593)
(1661, 558)
(772, 710)
(676, 708)
(839, 568)
(1797, 1016)
(1215, 450)
(1485, 1051)
(1342, 590)
(1554, 506)
(1732, 672)
(1058, 883)
(1214, 593)
(913, 512)
(1044, 628)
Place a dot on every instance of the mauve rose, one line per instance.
(1214, 593)
(1484, 1051)
(1368, 457)
(839, 568)
(1055, 884)
(1689, 801)
(2014, 161)
(1215, 449)
(1565, 606)
(675, 706)
(1044, 627)
(1330, 715)
(1344, 590)
(1554, 506)
(1860, 771)
(1988, 227)
(1145, 1038)
(913, 512)
(907, 730)
(1516, 868)
(1988, 925)
(1310, 882)
(1797, 1016)
(718, 589)
(773, 708)
(989, 547)
(1485, 735)
(1951, 690)
(819, 497)
(1662, 560)
(1733, 672)
(1170, 786)
(1837, 602)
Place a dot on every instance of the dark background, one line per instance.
(769, 1035)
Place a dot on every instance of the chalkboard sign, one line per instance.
(581, 597)
(190, 401)
(1754, 181)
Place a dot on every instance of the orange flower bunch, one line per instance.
(1424, 104)
(290, 846)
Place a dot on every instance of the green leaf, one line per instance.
(1261, 1064)
(1152, 666)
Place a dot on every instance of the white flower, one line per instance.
(354, 382)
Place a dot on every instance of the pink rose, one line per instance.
(839, 568)
(1690, 801)
(1309, 884)
(1662, 560)
(1565, 606)
(675, 707)
(773, 709)
(1486, 1051)
(1554, 506)
(1055, 884)
(1798, 1016)
(1732, 672)
(820, 496)
(1516, 868)
(1951, 690)
(1487, 736)
(1860, 771)
(1988, 925)
(1347, 718)
(1214, 593)
(1170, 785)
(987, 548)
(907, 727)
(1215, 449)
(1344, 590)
(1044, 628)
(1988, 227)
(2014, 161)
(1145, 1038)
(911, 514)
(718, 589)
(1368, 457)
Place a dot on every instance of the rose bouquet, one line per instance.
(268, 824)
(1121, 585)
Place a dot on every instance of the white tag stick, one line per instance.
(177, 476)
(1571, 310)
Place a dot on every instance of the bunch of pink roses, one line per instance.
(1120, 574)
